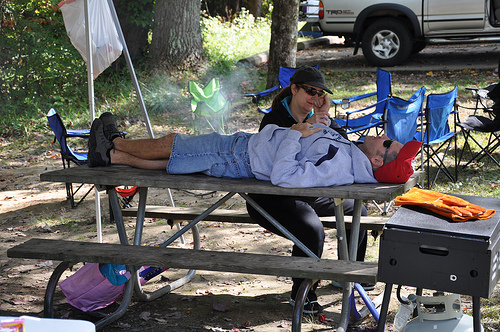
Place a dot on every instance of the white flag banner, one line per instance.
(106, 45)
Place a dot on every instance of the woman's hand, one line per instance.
(305, 128)
(321, 111)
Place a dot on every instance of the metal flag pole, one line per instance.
(131, 68)
(90, 79)
(134, 78)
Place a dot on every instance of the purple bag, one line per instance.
(88, 290)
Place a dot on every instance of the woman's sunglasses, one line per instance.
(311, 91)
(387, 144)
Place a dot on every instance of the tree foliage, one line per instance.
(136, 20)
(40, 68)
(37, 59)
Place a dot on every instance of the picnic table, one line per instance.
(110, 177)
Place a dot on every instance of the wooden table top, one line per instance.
(117, 175)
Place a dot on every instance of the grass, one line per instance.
(480, 178)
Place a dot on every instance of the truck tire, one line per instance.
(418, 46)
(386, 43)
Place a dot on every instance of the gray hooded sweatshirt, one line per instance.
(282, 156)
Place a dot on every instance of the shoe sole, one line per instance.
(94, 158)
(108, 119)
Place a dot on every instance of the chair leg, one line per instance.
(492, 144)
(433, 154)
(69, 194)
(75, 204)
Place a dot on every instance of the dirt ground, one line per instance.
(212, 301)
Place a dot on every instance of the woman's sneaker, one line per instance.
(310, 308)
(109, 126)
(99, 146)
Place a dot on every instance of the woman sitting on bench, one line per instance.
(304, 155)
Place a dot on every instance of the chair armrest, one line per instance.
(368, 107)
(367, 126)
(83, 133)
(256, 96)
(352, 98)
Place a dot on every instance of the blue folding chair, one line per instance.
(284, 75)
(438, 136)
(69, 156)
(363, 124)
(401, 117)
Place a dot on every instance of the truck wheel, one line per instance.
(418, 46)
(386, 43)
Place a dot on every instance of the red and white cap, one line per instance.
(400, 169)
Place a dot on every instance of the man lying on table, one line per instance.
(304, 155)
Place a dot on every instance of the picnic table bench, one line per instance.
(176, 214)
(70, 252)
(345, 270)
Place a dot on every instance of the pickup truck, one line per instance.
(389, 31)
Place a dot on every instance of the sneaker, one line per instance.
(368, 287)
(109, 126)
(336, 284)
(310, 308)
(99, 146)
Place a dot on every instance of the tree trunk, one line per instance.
(176, 42)
(133, 27)
(283, 46)
(233, 7)
(255, 7)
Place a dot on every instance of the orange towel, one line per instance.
(445, 205)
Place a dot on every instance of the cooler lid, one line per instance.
(423, 220)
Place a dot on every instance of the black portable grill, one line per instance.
(422, 249)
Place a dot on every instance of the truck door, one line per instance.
(453, 15)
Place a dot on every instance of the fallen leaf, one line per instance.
(204, 292)
(175, 315)
(19, 300)
(145, 315)
(44, 264)
(220, 307)
(285, 324)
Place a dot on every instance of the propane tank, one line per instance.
(441, 313)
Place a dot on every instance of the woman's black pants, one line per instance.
(300, 216)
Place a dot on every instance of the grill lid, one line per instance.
(428, 221)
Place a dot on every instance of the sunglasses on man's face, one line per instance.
(311, 91)
(387, 144)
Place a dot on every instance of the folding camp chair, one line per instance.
(361, 125)
(69, 156)
(400, 120)
(476, 126)
(438, 136)
(210, 108)
(284, 75)
(401, 117)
